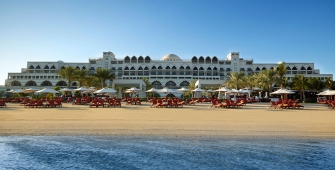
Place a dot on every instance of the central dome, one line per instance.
(171, 57)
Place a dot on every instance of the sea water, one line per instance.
(96, 152)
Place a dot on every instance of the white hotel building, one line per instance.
(170, 71)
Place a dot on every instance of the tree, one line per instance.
(191, 87)
(67, 73)
(91, 81)
(269, 77)
(104, 74)
(281, 71)
(236, 80)
(300, 83)
(315, 83)
(148, 85)
(329, 83)
(80, 76)
(250, 81)
(57, 88)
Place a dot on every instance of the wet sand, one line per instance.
(253, 120)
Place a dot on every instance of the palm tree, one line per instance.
(91, 81)
(300, 83)
(80, 76)
(329, 83)
(269, 77)
(236, 80)
(104, 74)
(191, 87)
(281, 71)
(315, 83)
(148, 85)
(67, 73)
(250, 81)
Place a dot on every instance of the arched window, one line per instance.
(126, 68)
(31, 67)
(157, 85)
(263, 68)
(257, 69)
(53, 67)
(38, 67)
(78, 68)
(153, 67)
(184, 84)
(74, 84)
(147, 59)
(215, 68)
(46, 67)
(171, 85)
(209, 69)
(140, 59)
(195, 68)
(160, 68)
(208, 60)
(294, 68)
(167, 68)
(201, 68)
(188, 68)
(303, 68)
(61, 84)
(134, 59)
(31, 83)
(46, 83)
(140, 68)
(201, 60)
(146, 68)
(15, 83)
(83, 68)
(194, 59)
(181, 68)
(271, 68)
(132, 68)
(288, 68)
(309, 68)
(215, 60)
(173, 68)
(127, 60)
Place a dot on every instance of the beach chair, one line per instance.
(30, 104)
(95, 103)
(50, 103)
(170, 104)
(77, 101)
(117, 103)
(214, 103)
(58, 103)
(138, 101)
(154, 103)
(86, 101)
(273, 105)
(3, 103)
(111, 103)
(219, 104)
(25, 101)
(297, 106)
(38, 103)
(160, 104)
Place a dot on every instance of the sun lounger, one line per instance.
(3, 103)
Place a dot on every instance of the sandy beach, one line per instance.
(254, 120)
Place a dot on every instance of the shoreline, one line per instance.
(200, 121)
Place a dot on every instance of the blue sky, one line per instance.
(76, 30)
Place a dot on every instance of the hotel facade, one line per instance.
(171, 71)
